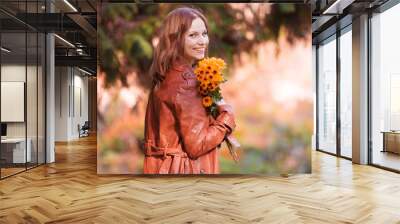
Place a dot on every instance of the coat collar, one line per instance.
(181, 66)
(181, 70)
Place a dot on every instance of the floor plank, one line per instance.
(70, 191)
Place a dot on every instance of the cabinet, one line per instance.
(13, 150)
(391, 142)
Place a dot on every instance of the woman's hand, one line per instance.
(221, 102)
(224, 107)
(231, 141)
(228, 109)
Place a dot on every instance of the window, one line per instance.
(385, 88)
(327, 96)
(346, 93)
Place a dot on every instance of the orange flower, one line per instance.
(200, 76)
(204, 85)
(221, 63)
(199, 71)
(213, 86)
(218, 78)
(207, 101)
(202, 91)
(212, 64)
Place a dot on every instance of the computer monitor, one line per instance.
(3, 129)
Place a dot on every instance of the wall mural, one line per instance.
(204, 88)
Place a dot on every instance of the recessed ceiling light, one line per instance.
(64, 40)
(337, 7)
(70, 5)
(86, 72)
(5, 50)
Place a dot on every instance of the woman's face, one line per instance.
(196, 40)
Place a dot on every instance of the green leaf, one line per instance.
(137, 47)
(287, 8)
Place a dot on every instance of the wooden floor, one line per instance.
(70, 191)
(387, 159)
(10, 171)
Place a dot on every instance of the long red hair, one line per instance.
(170, 47)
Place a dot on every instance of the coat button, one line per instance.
(187, 75)
(202, 171)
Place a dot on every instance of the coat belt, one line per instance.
(152, 150)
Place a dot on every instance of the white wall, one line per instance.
(71, 94)
(61, 103)
(16, 73)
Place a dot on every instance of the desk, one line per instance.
(16, 148)
(391, 141)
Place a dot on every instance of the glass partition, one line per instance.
(327, 95)
(22, 77)
(346, 93)
(14, 153)
(385, 89)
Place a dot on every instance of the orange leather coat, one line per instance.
(180, 137)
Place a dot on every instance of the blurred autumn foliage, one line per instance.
(267, 48)
(127, 32)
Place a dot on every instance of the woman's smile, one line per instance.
(199, 50)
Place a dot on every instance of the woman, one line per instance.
(180, 137)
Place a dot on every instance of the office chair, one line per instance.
(84, 130)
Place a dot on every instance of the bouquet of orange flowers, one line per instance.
(209, 74)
